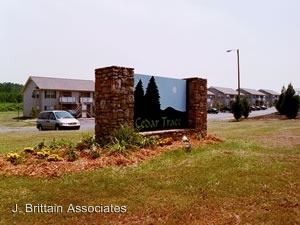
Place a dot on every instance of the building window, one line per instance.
(50, 94)
(35, 94)
(85, 94)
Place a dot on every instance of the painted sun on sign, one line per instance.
(160, 103)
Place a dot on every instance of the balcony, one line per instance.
(67, 100)
(86, 100)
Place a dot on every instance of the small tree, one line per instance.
(291, 103)
(279, 103)
(245, 107)
(237, 108)
(293, 107)
(288, 103)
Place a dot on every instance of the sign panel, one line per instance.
(160, 103)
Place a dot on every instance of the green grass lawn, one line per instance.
(253, 177)
(16, 141)
(10, 119)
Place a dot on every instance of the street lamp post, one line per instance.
(238, 65)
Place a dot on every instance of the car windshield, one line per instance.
(62, 115)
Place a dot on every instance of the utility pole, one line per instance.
(238, 67)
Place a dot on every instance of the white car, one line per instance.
(56, 120)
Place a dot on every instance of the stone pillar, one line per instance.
(197, 104)
(114, 100)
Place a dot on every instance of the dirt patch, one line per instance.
(281, 138)
(272, 116)
(287, 141)
(35, 167)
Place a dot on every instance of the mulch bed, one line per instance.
(34, 167)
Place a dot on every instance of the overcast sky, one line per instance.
(173, 38)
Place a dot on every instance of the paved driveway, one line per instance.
(229, 116)
(87, 124)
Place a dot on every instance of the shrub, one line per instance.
(288, 103)
(87, 142)
(43, 154)
(94, 154)
(14, 158)
(149, 141)
(54, 158)
(126, 136)
(53, 144)
(165, 141)
(292, 107)
(62, 143)
(237, 108)
(245, 107)
(29, 150)
(71, 155)
(40, 145)
(117, 146)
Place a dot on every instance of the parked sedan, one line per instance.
(56, 120)
(225, 109)
(263, 107)
(213, 110)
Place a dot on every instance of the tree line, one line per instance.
(10, 92)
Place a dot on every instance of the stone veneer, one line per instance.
(114, 100)
(197, 104)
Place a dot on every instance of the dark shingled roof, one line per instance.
(270, 92)
(210, 93)
(51, 83)
(252, 91)
(226, 91)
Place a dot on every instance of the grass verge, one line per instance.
(16, 141)
(13, 119)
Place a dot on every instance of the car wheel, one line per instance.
(57, 127)
(40, 127)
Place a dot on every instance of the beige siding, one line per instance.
(28, 101)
